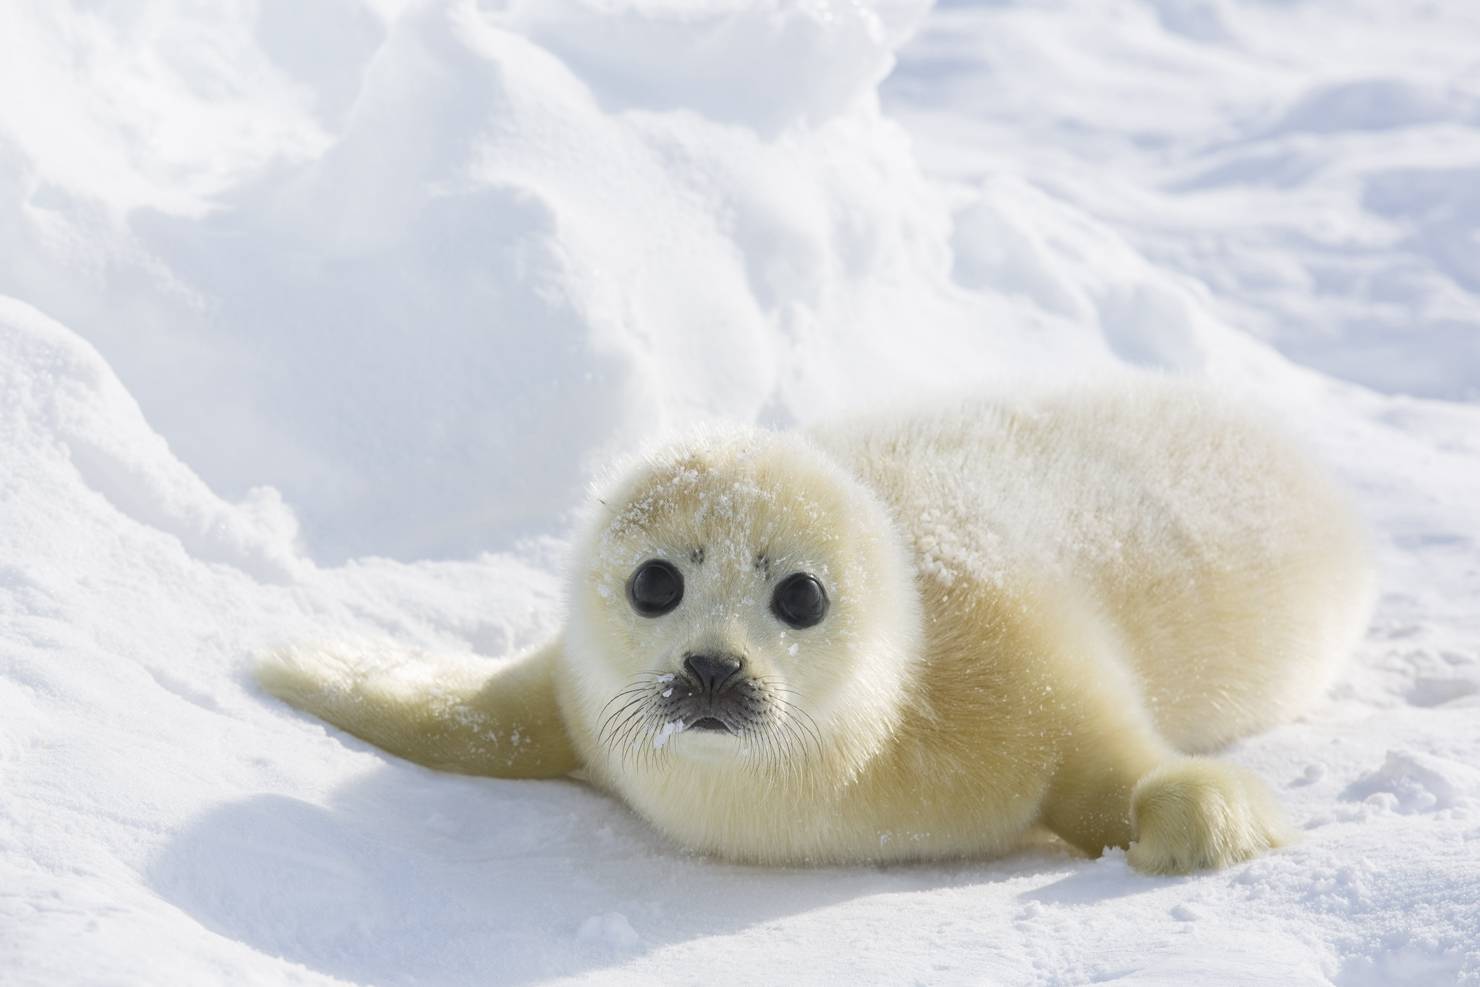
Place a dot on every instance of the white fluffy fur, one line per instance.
(1039, 610)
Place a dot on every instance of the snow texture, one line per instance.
(317, 318)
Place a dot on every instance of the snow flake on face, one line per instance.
(665, 731)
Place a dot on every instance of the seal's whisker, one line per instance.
(634, 695)
(641, 685)
(619, 712)
(632, 724)
(805, 720)
(620, 734)
(794, 742)
(769, 681)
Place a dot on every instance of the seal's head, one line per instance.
(739, 601)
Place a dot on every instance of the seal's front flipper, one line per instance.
(1195, 813)
(506, 724)
(1122, 787)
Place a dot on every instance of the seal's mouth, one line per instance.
(709, 723)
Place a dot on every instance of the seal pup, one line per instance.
(918, 637)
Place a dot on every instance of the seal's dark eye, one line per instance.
(655, 588)
(800, 600)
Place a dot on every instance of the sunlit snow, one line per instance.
(316, 318)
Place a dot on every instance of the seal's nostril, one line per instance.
(712, 672)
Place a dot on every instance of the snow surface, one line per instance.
(343, 302)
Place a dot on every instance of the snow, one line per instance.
(665, 731)
(318, 317)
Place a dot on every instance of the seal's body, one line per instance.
(919, 637)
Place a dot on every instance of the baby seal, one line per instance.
(920, 637)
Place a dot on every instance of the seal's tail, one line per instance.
(449, 717)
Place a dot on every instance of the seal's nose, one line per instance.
(712, 672)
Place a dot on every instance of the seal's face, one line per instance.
(745, 602)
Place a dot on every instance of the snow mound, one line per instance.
(63, 405)
(1011, 237)
(1410, 783)
(611, 928)
(422, 310)
(824, 57)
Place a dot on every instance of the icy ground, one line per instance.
(343, 300)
